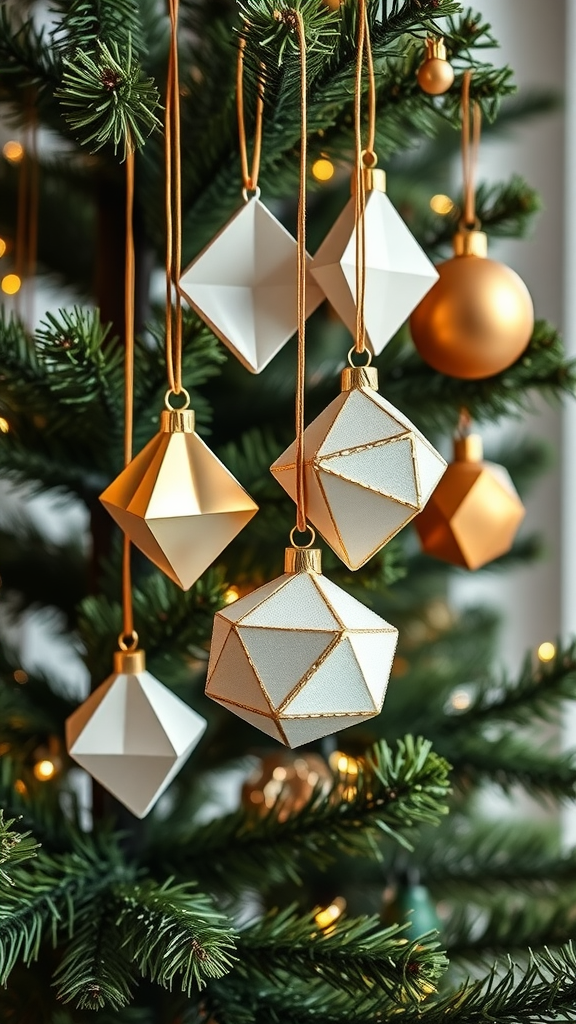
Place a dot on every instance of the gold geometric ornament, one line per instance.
(299, 658)
(176, 501)
(368, 470)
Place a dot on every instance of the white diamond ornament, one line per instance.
(244, 285)
(367, 469)
(299, 658)
(132, 734)
(398, 271)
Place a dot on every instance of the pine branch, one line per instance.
(84, 23)
(95, 972)
(508, 760)
(15, 847)
(172, 932)
(397, 789)
(510, 925)
(36, 571)
(355, 955)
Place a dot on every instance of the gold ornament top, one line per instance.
(470, 243)
(435, 48)
(303, 560)
(468, 449)
(374, 180)
(129, 663)
(177, 421)
(359, 377)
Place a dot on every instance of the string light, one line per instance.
(13, 151)
(44, 770)
(3, 247)
(546, 651)
(441, 204)
(11, 284)
(326, 918)
(323, 169)
(20, 787)
(231, 595)
(343, 763)
(4, 425)
(460, 700)
(20, 676)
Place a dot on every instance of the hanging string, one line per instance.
(128, 636)
(301, 524)
(173, 205)
(249, 178)
(470, 147)
(365, 157)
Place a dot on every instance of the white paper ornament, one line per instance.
(398, 272)
(132, 734)
(368, 470)
(299, 657)
(244, 285)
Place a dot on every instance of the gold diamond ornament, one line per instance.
(132, 734)
(244, 285)
(177, 502)
(398, 271)
(299, 658)
(368, 470)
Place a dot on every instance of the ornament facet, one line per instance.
(368, 470)
(177, 502)
(398, 272)
(478, 318)
(435, 74)
(299, 658)
(244, 285)
(286, 782)
(474, 513)
(132, 734)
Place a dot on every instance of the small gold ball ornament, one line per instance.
(287, 782)
(478, 317)
(435, 74)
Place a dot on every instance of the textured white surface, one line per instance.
(398, 272)
(244, 285)
(133, 735)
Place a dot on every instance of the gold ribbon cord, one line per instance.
(249, 178)
(364, 157)
(470, 147)
(173, 203)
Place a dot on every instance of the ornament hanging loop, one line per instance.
(368, 159)
(302, 547)
(251, 193)
(249, 177)
(181, 393)
(354, 352)
(128, 641)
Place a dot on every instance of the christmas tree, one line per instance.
(237, 916)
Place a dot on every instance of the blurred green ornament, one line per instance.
(412, 902)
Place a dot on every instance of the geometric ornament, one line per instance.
(299, 658)
(244, 285)
(132, 734)
(398, 272)
(176, 501)
(474, 513)
(367, 469)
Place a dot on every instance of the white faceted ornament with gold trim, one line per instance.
(398, 272)
(299, 658)
(368, 470)
(244, 285)
(132, 734)
(177, 502)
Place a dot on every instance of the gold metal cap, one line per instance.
(374, 180)
(303, 560)
(468, 449)
(129, 663)
(177, 421)
(359, 377)
(470, 243)
(436, 48)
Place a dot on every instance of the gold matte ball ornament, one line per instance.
(435, 74)
(287, 783)
(478, 318)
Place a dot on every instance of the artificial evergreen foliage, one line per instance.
(200, 913)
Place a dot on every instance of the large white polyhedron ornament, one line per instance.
(299, 658)
(368, 470)
(132, 734)
(244, 285)
(398, 271)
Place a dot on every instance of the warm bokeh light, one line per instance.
(460, 700)
(326, 918)
(44, 770)
(546, 651)
(11, 284)
(441, 204)
(4, 425)
(343, 763)
(20, 676)
(2, 247)
(20, 787)
(13, 151)
(323, 169)
(231, 595)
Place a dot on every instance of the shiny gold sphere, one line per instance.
(476, 320)
(435, 76)
(287, 782)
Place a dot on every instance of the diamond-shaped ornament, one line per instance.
(132, 734)
(474, 513)
(177, 502)
(368, 471)
(299, 658)
(398, 271)
(244, 285)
